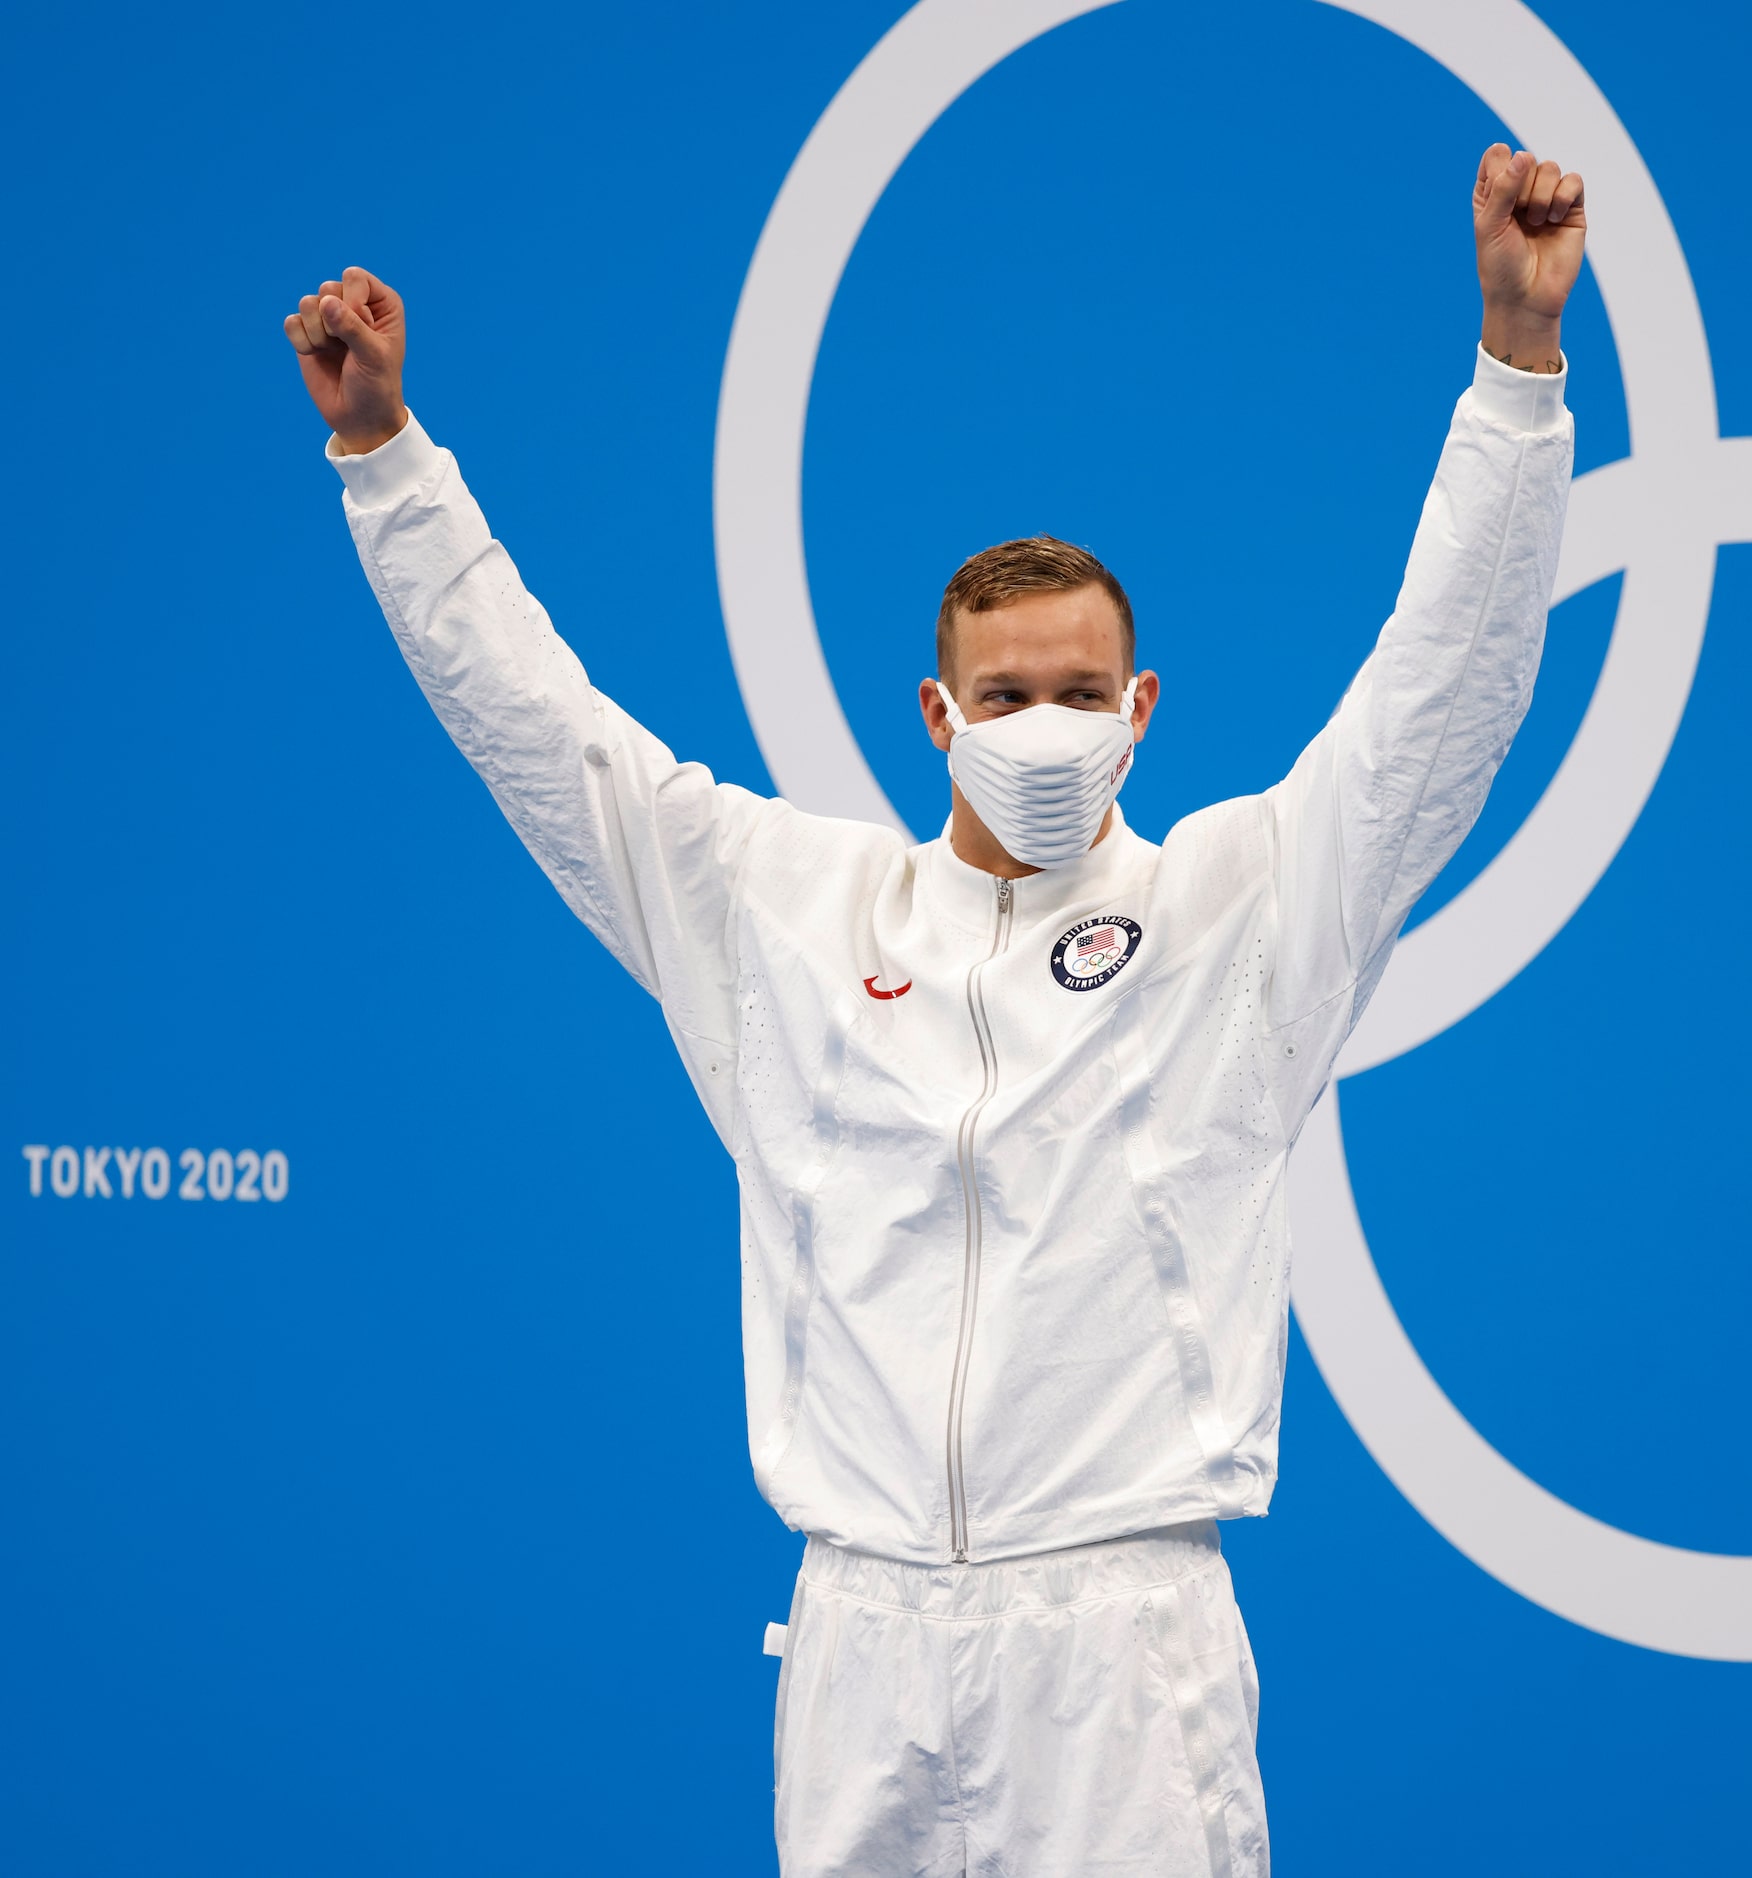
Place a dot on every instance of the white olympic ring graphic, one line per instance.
(1659, 514)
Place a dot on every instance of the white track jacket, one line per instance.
(1014, 1248)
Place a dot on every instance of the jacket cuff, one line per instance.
(382, 477)
(1530, 401)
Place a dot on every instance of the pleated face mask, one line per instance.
(1042, 778)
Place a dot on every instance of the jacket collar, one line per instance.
(968, 895)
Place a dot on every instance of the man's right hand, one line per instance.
(350, 337)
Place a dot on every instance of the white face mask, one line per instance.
(1043, 778)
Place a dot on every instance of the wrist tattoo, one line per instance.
(1551, 366)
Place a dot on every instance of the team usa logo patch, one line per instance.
(1090, 953)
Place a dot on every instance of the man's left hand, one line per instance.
(1530, 225)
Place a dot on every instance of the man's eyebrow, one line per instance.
(1016, 678)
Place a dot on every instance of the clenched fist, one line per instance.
(1528, 220)
(350, 337)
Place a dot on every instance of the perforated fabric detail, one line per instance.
(1238, 1006)
(762, 1034)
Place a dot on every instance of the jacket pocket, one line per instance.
(1167, 1251)
(800, 1296)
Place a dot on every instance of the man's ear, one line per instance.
(1144, 701)
(935, 713)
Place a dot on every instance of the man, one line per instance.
(1010, 1109)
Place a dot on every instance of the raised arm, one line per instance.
(643, 848)
(1384, 795)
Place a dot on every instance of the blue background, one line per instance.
(407, 1526)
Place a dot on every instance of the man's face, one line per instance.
(1046, 648)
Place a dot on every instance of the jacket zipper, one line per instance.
(988, 1057)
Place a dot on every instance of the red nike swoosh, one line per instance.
(900, 991)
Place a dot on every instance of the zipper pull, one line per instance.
(1003, 896)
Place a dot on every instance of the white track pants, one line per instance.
(1088, 1713)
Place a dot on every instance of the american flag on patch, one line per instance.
(1101, 936)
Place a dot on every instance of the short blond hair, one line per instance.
(1037, 564)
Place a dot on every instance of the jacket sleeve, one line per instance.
(642, 848)
(1380, 800)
